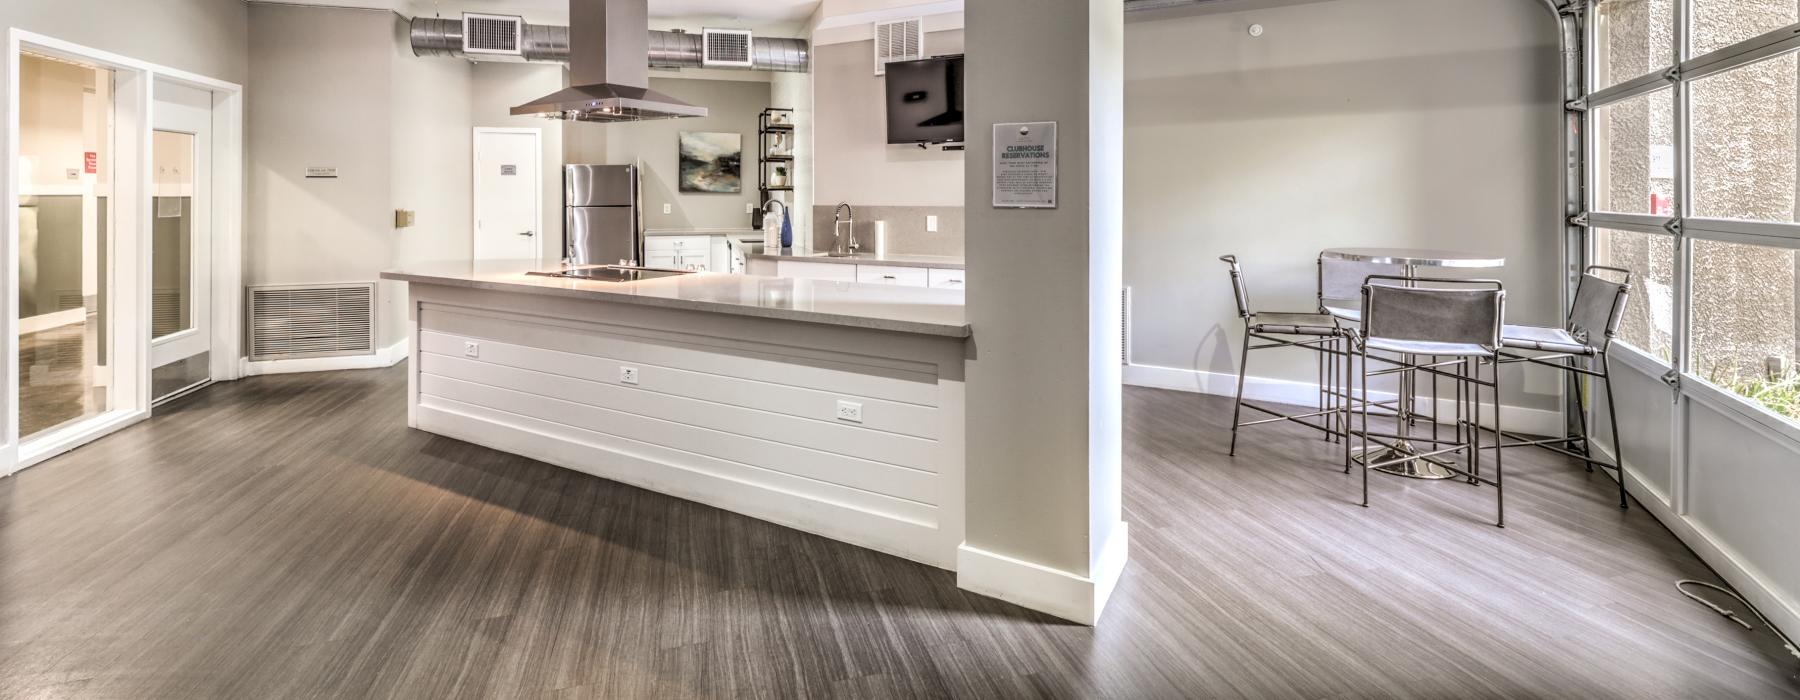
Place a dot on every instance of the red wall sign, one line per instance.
(91, 162)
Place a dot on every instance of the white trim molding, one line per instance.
(1067, 595)
(1518, 419)
(1783, 612)
(385, 357)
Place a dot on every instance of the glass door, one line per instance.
(66, 147)
(181, 240)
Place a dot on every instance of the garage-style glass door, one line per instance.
(1693, 118)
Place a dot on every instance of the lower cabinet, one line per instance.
(897, 276)
(816, 271)
(695, 253)
(894, 275)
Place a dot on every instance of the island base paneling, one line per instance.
(736, 412)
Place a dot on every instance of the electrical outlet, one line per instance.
(849, 411)
(931, 224)
(628, 375)
(749, 208)
(668, 208)
(472, 348)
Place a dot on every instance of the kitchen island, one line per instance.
(831, 407)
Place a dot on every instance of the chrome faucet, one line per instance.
(843, 226)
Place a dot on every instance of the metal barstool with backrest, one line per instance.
(1312, 331)
(1455, 325)
(1587, 334)
(1339, 294)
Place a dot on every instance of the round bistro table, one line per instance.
(1409, 260)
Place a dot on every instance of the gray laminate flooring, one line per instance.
(288, 536)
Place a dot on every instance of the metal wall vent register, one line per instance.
(726, 48)
(494, 35)
(898, 40)
(296, 321)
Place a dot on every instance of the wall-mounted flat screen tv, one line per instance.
(925, 100)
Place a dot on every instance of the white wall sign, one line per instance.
(509, 170)
(1025, 165)
(318, 172)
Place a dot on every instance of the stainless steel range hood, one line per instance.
(609, 74)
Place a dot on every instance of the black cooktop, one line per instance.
(613, 273)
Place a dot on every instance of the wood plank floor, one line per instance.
(287, 536)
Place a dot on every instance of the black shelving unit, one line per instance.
(774, 149)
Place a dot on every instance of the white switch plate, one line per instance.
(628, 375)
(472, 349)
(931, 224)
(849, 411)
(668, 208)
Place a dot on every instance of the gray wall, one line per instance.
(732, 107)
(341, 91)
(1422, 123)
(1043, 387)
(201, 36)
(855, 163)
(431, 149)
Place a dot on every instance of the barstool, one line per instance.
(1339, 293)
(1313, 331)
(1455, 324)
(1587, 334)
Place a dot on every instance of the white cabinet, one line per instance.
(697, 253)
(816, 271)
(897, 276)
(893, 275)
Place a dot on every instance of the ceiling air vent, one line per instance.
(898, 40)
(315, 320)
(494, 36)
(726, 48)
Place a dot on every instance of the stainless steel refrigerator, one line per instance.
(602, 217)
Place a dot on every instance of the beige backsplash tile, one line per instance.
(905, 229)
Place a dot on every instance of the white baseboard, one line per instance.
(1069, 596)
(56, 319)
(386, 357)
(1529, 421)
(1782, 612)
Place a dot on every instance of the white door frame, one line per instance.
(191, 341)
(132, 177)
(537, 177)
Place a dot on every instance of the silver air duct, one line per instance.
(546, 43)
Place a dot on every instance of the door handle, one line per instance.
(526, 233)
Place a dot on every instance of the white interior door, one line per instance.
(508, 194)
(181, 235)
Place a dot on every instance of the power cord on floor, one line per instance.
(1732, 615)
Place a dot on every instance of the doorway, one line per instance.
(508, 194)
(106, 159)
(181, 240)
(66, 167)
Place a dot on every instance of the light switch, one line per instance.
(931, 224)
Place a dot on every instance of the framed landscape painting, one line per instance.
(712, 162)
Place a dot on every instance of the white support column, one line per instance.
(1044, 526)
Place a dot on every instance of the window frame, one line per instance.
(1683, 68)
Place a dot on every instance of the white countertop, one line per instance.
(879, 307)
(947, 262)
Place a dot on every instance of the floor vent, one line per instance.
(295, 321)
(1125, 326)
(898, 40)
